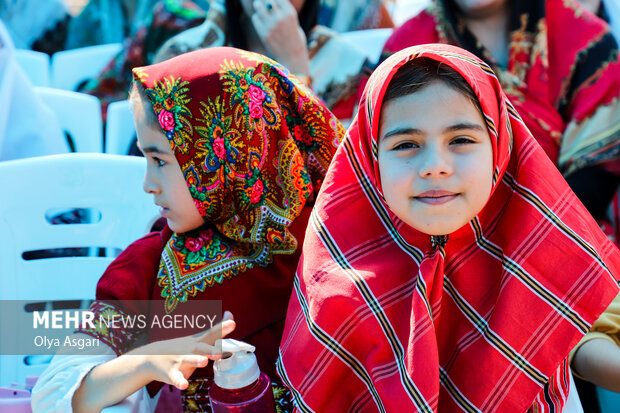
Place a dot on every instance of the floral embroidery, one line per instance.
(218, 146)
(202, 200)
(283, 397)
(169, 99)
(252, 99)
(254, 188)
(257, 97)
(198, 247)
(166, 120)
(119, 339)
(218, 141)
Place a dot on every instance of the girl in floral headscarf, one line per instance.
(474, 271)
(236, 151)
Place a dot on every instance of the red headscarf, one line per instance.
(383, 319)
(253, 144)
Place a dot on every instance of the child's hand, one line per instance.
(190, 353)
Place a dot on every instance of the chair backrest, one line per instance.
(36, 66)
(120, 129)
(79, 114)
(72, 67)
(110, 186)
(369, 41)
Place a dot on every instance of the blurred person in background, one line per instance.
(108, 21)
(35, 24)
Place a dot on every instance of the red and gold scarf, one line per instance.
(253, 144)
(384, 318)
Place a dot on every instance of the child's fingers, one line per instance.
(228, 326)
(178, 381)
(195, 360)
(219, 331)
(210, 352)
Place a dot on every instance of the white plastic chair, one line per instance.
(32, 188)
(79, 114)
(36, 66)
(72, 67)
(120, 129)
(369, 41)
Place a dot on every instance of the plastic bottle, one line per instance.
(239, 386)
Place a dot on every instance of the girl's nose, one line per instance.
(435, 163)
(149, 186)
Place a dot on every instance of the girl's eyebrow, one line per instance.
(464, 125)
(402, 131)
(452, 128)
(153, 150)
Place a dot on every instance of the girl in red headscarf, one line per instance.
(447, 265)
(236, 151)
(559, 66)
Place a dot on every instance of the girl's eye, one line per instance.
(404, 146)
(462, 140)
(158, 161)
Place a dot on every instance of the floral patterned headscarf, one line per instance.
(253, 144)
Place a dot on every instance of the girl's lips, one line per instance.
(436, 197)
(436, 200)
(435, 193)
(163, 211)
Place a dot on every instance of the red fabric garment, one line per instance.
(563, 67)
(383, 319)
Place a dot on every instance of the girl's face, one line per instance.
(164, 178)
(435, 159)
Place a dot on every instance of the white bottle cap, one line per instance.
(238, 367)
